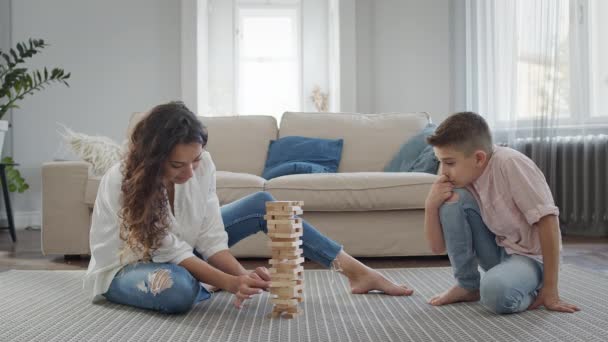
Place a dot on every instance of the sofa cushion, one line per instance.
(295, 154)
(240, 143)
(370, 140)
(233, 185)
(407, 157)
(236, 143)
(357, 191)
(90, 191)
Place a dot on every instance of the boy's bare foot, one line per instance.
(455, 294)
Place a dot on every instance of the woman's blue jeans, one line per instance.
(510, 283)
(139, 284)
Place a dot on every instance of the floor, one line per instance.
(589, 253)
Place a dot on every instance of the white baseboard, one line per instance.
(23, 219)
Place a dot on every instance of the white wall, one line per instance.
(5, 45)
(124, 57)
(315, 62)
(405, 57)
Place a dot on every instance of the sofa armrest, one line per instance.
(66, 218)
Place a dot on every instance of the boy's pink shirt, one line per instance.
(513, 195)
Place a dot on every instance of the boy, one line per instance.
(492, 207)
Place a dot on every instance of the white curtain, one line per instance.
(519, 66)
(528, 72)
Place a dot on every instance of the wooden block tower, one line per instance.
(286, 272)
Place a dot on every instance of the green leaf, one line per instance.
(12, 188)
(15, 57)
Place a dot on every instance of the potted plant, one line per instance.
(16, 81)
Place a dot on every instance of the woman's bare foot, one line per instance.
(455, 294)
(363, 279)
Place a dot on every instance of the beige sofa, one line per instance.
(372, 213)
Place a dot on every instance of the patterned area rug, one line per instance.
(50, 306)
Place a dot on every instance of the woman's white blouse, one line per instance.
(197, 224)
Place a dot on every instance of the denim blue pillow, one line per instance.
(426, 162)
(408, 154)
(293, 168)
(295, 155)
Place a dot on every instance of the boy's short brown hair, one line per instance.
(465, 131)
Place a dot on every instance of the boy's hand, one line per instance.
(550, 300)
(440, 192)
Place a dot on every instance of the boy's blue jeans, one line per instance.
(510, 283)
(135, 284)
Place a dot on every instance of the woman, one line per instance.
(158, 230)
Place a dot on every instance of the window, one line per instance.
(543, 63)
(268, 71)
(562, 63)
(599, 58)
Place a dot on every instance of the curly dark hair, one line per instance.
(144, 214)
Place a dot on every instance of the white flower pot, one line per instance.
(3, 130)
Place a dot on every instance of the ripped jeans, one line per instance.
(510, 283)
(170, 288)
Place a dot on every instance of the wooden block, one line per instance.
(291, 315)
(288, 292)
(279, 204)
(295, 287)
(293, 239)
(273, 244)
(285, 268)
(286, 262)
(284, 301)
(284, 228)
(286, 250)
(273, 235)
(283, 208)
(285, 283)
(286, 271)
(283, 257)
(286, 276)
(284, 212)
(290, 221)
(286, 308)
(277, 256)
(292, 253)
(268, 217)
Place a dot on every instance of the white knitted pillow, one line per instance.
(101, 152)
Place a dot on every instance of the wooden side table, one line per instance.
(7, 201)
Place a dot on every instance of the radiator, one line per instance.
(576, 169)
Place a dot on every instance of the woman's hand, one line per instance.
(440, 192)
(260, 273)
(245, 286)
